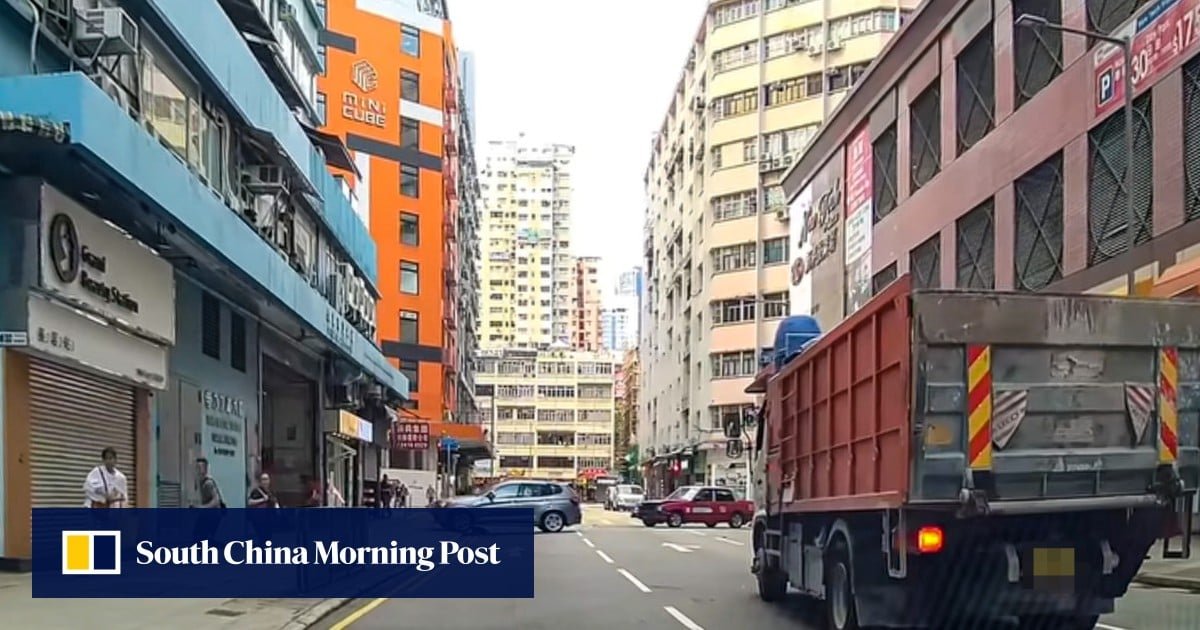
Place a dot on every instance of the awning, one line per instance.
(472, 438)
(759, 384)
(335, 151)
(247, 17)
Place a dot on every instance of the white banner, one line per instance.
(63, 332)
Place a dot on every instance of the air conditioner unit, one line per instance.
(834, 44)
(764, 167)
(106, 32)
(814, 50)
(781, 214)
(264, 179)
(698, 103)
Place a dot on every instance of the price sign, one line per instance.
(1162, 33)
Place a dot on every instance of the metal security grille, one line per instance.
(1191, 139)
(883, 162)
(976, 82)
(976, 248)
(925, 136)
(883, 278)
(1107, 205)
(1037, 52)
(1105, 16)
(1038, 246)
(925, 263)
(73, 415)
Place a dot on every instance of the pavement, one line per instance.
(1184, 574)
(612, 572)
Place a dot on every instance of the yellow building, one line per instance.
(759, 78)
(550, 412)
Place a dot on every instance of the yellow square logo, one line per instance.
(91, 553)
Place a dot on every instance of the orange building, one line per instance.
(390, 90)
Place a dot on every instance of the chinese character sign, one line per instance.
(411, 435)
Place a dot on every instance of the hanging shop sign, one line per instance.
(819, 232)
(63, 332)
(96, 267)
(410, 435)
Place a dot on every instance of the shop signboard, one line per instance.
(223, 442)
(859, 223)
(1161, 34)
(410, 435)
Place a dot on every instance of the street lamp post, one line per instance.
(1037, 22)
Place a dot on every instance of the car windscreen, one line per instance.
(683, 494)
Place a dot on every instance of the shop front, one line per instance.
(347, 440)
(87, 341)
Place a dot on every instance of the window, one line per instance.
(507, 491)
(170, 102)
(1191, 139)
(1037, 52)
(925, 263)
(734, 257)
(409, 326)
(410, 180)
(1038, 245)
(735, 205)
(792, 140)
(410, 133)
(775, 251)
(975, 250)
(1104, 16)
(733, 311)
(925, 135)
(410, 86)
(714, 156)
(735, 12)
(210, 326)
(793, 89)
(775, 305)
(411, 371)
(734, 364)
(883, 163)
(724, 495)
(410, 40)
(410, 229)
(321, 108)
(237, 342)
(409, 282)
(881, 280)
(844, 77)
(975, 71)
(1108, 220)
(735, 104)
(735, 57)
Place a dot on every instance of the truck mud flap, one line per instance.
(1178, 524)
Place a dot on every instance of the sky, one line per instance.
(598, 75)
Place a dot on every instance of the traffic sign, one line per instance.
(448, 444)
(734, 449)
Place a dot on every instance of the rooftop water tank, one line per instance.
(794, 334)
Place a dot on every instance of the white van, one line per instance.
(624, 496)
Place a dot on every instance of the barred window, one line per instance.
(736, 364)
(844, 77)
(925, 136)
(1038, 246)
(975, 248)
(734, 311)
(735, 57)
(976, 83)
(1104, 16)
(793, 89)
(925, 263)
(735, 205)
(715, 156)
(734, 257)
(791, 42)
(775, 251)
(1037, 52)
(775, 305)
(1108, 219)
(883, 163)
(885, 277)
(735, 104)
(866, 23)
(786, 141)
(735, 12)
(1191, 138)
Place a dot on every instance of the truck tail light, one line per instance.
(930, 539)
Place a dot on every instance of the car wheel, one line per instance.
(840, 611)
(737, 520)
(710, 525)
(649, 523)
(675, 520)
(552, 522)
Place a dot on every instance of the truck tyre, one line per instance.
(1059, 622)
(772, 583)
(737, 520)
(675, 519)
(840, 610)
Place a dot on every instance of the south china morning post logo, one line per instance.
(423, 558)
(91, 553)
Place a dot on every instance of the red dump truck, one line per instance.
(941, 456)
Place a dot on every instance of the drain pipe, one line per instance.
(33, 37)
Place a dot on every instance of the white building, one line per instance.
(527, 274)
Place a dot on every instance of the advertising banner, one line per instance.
(800, 287)
(282, 553)
(859, 220)
(410, 435)
(1162, 33)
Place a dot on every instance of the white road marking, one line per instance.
(681, 548)
(588, 543)
(605, 556)
(698, 533)
(636, 582)
(730, 541)
(1105, 626)
(579, 533)
(682, 618)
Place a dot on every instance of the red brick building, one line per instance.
(994, 154)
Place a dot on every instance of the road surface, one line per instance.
(614, 573)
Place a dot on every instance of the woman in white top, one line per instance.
(105, 486)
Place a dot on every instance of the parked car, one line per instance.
(555, 505)
(624, 496)
(710, 505)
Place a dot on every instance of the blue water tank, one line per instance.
(794, 335)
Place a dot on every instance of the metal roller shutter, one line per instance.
(73, 415)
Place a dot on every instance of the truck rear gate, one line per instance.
(1000, 402)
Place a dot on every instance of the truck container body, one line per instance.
(971, 432)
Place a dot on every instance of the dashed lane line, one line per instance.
(682, 618)
(636, 582)
(731, 541)
(604, 556)
(589, 543)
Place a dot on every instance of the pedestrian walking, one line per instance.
(384, 494)
(430, 496)
(105, 486)
(210, 500)
(402, 494)
(261, 495)
(333, 496)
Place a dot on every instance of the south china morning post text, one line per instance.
(308, 553)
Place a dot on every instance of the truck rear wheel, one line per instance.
(1059, 622)
(840, 611)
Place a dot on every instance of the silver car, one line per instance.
(555, 505)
